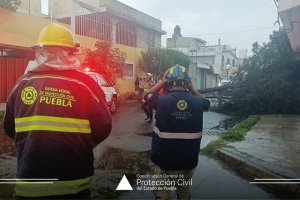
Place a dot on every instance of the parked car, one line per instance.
(109, 91)
(225, 79)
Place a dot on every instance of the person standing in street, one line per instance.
(178, 130)
(148, 83)
(141, 85)
(56, 114)
(137, 86)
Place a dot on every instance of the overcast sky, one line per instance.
(238, 23)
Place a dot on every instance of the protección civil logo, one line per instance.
(155, 182)
(161, 181)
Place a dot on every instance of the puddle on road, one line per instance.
(112, 165)
(119, 159)
(223, 126)
(228, 123)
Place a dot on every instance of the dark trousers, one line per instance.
(148, 110)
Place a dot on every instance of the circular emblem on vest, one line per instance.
(29, 95)
(182, 104)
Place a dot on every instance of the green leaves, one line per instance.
(11, 5)
(271, 79)
(157, 61)
(106, 60)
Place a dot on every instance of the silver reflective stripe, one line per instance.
(177, 135)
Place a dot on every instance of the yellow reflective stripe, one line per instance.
(48, 189)
(49, 123)
(170, 135)
(145, 90)
(183, 69)
(171, 70)
(51, 118)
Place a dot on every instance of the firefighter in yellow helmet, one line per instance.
(148, 83)
(56, 114)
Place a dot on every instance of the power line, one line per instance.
(251, 39)
(232, 32)
(146, 40)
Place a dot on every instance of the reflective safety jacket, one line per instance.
(54, 118)
(178, 129)
(146, 86)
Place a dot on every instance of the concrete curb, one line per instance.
(257, 168)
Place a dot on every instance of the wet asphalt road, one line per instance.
(126, 152)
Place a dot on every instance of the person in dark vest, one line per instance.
(177, 132)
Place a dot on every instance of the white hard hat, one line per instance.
(148, 75)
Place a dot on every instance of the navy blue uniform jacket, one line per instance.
(177, 111)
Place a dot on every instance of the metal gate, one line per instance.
(11, 69)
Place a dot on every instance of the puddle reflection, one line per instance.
(119, 159)
(112, 165)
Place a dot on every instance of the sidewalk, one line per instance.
(271, 150)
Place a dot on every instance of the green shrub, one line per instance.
(249, 122)
(238, 132)
(234, 134)
(211, 146)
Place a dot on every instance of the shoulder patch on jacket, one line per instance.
(149, 96)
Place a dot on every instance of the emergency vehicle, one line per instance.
(109, 91)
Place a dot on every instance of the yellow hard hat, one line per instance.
(56, 35)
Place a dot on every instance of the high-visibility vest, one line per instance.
(145, 90)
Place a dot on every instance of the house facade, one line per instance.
(130, 30)
(289, 12)
(221, 58)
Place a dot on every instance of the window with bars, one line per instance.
(206, 59)
(228, 61)
(222, 61)
(126, 34)
(128, 70)
(151, 40)
(93, 25)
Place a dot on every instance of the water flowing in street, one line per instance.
(126, 152)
